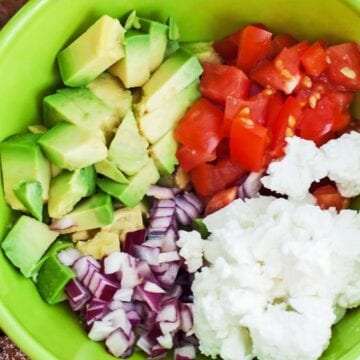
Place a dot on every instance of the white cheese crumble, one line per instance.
(304, 164)
(191, 249)
(279, 274)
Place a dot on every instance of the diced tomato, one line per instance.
(280, 42)
(201, 127)
(253, 47)
(248, 143)
(300, 47)
(314, 59)
(253, 108)
(318, 122)
(227, 48)
(341, 122)
(255, 88)
(284, 125)
(190, 158)
(220, 81)
(273, 110)
(221, 199)
(344, 67)
(209, 179)
(223, 149)
(328, 196)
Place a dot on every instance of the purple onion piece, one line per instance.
(101, 287)
(134, 317)
(77, 294)
(63, 224)
(195, 201)
(169, 312)
(154, 243)
(162, 212)
(186, 352)
(95, 310)
(100, 330)
(251, 186)
(160, 269)
(153, 300)
(150, 255)
(160, 192)
(164, 204)
(145, 344)
(160, 222)
(123, 294)
(175, 292)
(169, 240)
(117, 343)
(182, 216)
(68, 256)
(118, 318)
(170, 256)
(134, 238)
(166, 341)
(186, 319)
(82, 266)
(188, 207)
(168, 278)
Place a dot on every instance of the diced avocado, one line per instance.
(92, 53)
(71, 147)
(134, 69)
(128, 150)
(111, 171)
(172, 46)
(200, 227)
(27, 242)
(52, 278)
(174, 75)
(355, 106)
(154, 125)
(131, 194)
(22, 160)
(174, 32)
(355, 203)
(30, 195)
(103, 244)
(132, 21)
(68, 188)
(164, 154)
(81, 235)
(92, 213)
(111, 91)
(82, 108)
(55, 171)
(126, 220)
(158, 41)
(204, 51)
(37, 129)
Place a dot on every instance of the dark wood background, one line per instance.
(8, 351)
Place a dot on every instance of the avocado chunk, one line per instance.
(172, 46)
(134, 69)
(92, 53)
(128, 150)
(111, 171)
(204, 51)
(37, 129)
(132, 21)
(71, 147)
(102, 244)
(22, 160)
(30, 195)
(126, 220)
(131, 194)
(158, 41)
(52, 278)
(154, 125)
(91, 213)
(82, 108)
(26, 243)
(173, 75)
(164, 154)
(111, 91)
(68, 188)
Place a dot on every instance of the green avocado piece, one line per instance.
(172, 46)
(37, 129)
(111, 91)
(134, 69)
(174, 32)
(200, 227)
(30, 195)
(355, 203)
(128, 150)
(130, 195)
(173, 75)
(164, 154)
(158, 41)
(52, 278)
(111, 171)
(154, 125)
(71, 147)
(82, 108)
(22, 160)
(68, 188)
(204, 51)
(92, 53)
(132, 21)
(92, 213)
(27, 242)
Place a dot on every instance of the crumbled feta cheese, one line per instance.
(191, 249)
(343, 163)
(294, 174)
(279, 275)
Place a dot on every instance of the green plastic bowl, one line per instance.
(28, 47)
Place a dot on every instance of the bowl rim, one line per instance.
(8, 322)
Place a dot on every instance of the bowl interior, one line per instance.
(28, 47)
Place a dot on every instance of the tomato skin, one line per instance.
(254, 44)
(280, 42)
(190, 158)
(220, 81)
(221, 199)
(276, 102)
(209, 179)
(313, 59)
(328, 196)
(248, 143)
(201, 127)
(227, 48)
(344, 67)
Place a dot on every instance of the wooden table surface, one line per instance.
(8, 351)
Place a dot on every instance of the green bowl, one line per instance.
(28, 47)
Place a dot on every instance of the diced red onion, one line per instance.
(169, 312)
(251, 186)
(153, 288)
(117, 343)
(190, 210)
(82, 265)
(166, 341)
(95, 310)
(168, 279)
(160, 192)
(158, 352)
(87, 279)
(169, 256)
(134, 238)
(161, 222)
(62, 224)
(152, 299)
(168, 327)
(113, 262)
(150, 255)
(133, 317)
(144, 271)
(165, 204)
(123, 294)
(116, 304)
(100, 330)
(175, 292)
(77, 294)
(156, 234)
(194, 200)
(169, 240)
(101, 287)
(118, 318)
(185, 353)
(160, 269)
(186, 319)
(162, 212)
(144, 344)
(154, 243)
(68, 256)
(182, 216)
